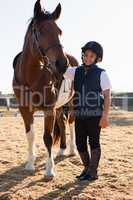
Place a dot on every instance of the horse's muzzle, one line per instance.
(62, 65)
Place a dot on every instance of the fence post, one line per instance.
(125, 102)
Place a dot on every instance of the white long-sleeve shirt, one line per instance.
(104, 78)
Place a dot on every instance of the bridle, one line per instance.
(46, 61)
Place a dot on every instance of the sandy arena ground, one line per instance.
(115, 171)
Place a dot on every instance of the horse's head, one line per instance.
(45, 38)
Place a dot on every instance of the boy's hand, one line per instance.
(104, 122)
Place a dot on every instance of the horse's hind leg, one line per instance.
(28, 121)
(72, 150)
(61, 122)
(71, 121)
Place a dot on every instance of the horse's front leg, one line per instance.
(49, 122)
(28, 121)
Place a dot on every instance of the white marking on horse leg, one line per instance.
(31, 149)
(50, 166)
(72, 139)
(61, 152)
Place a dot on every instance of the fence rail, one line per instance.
(124, 102)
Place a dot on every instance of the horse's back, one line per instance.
(72, 60)
(16, 59)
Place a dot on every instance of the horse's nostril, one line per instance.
(58, 63)
(61, 63)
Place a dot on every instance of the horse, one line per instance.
(38, 80)
(63, 113)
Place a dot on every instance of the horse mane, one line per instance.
(45, 15)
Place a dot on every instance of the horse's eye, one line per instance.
(42, 30)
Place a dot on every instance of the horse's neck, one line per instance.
(28, 56)
(29, 65)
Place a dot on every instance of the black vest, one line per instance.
(88, 100)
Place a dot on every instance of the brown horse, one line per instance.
(38, 77)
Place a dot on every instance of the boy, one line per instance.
(91, 104)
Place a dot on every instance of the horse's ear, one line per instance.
(57, 12)
(37, 9)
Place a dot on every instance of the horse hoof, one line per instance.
(48, 178)
(61, 152)
(29, 167)
(72, 153)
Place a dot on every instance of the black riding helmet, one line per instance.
(94, 47)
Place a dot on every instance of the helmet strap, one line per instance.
(99, 59)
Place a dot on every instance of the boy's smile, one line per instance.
(89, 57)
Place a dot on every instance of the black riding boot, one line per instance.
(86, 162)
(92, 172)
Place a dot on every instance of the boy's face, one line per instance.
(89, 57)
